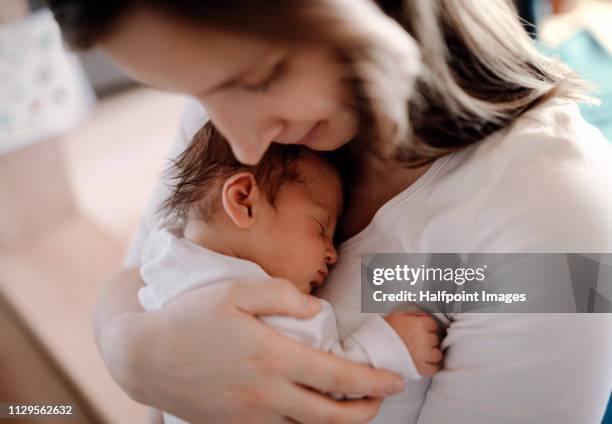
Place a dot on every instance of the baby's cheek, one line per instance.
(307, 258)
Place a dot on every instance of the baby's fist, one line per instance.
(419, 332)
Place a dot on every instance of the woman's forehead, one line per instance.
(174, 55)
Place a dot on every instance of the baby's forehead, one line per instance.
(314, 167)
(322, 182)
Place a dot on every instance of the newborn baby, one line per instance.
(274, 219)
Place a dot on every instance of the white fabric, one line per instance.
(543, 185)
(172, 265)
(194, 117)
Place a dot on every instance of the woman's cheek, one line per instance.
(304, 107)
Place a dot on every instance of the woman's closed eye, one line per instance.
(274, 76)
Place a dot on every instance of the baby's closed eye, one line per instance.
(321, 227)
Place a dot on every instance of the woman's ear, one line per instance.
(241, 197)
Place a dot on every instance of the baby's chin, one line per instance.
(306, 287)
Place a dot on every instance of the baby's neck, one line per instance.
(209, 237)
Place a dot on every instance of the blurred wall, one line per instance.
(104, 75)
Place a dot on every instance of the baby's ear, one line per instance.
(241, 197)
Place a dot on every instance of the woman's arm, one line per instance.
(116, 322)
(207, 358)
(384, 343)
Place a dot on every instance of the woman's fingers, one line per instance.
(330, 374)
(308, 407)
(272, 297)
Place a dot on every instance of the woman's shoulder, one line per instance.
(553, 144)
(553, 130)
(551, 182)
(558, 128)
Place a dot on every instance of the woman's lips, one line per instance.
(311, 135)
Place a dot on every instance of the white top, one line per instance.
(173, 266)
(542, 185)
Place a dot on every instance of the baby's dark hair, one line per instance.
(200, 171)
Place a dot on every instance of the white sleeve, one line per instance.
(193, 118)
(375, 343)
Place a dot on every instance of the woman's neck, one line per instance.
(379, 181)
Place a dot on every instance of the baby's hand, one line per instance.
(419, 332)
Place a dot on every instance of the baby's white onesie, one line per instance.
(173, 265)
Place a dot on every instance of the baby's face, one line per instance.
(297, 233)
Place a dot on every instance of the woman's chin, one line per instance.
(326, 144)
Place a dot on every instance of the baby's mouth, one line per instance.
(321, 276)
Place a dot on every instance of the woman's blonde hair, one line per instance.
(480, 71)
(443, 73)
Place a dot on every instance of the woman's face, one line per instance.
(256, 92)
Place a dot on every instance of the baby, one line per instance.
(274, 219)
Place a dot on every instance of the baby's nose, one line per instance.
(331, 255)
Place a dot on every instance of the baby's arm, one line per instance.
(375, 343)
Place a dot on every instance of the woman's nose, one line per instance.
(247, 146)
(248, 152)
(270, 131)
(255, 143)
(249, 133)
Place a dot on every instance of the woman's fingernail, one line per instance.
(398, 386)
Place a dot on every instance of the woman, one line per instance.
(476, 156)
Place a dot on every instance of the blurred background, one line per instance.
(81, 146)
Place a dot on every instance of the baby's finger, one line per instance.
(428, 370)
(430, 324)
(432, 340)
(435, 356)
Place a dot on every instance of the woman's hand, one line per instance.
(205, 357)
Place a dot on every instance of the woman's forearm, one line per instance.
(117, 296)
(119, 328)
(180, 359)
